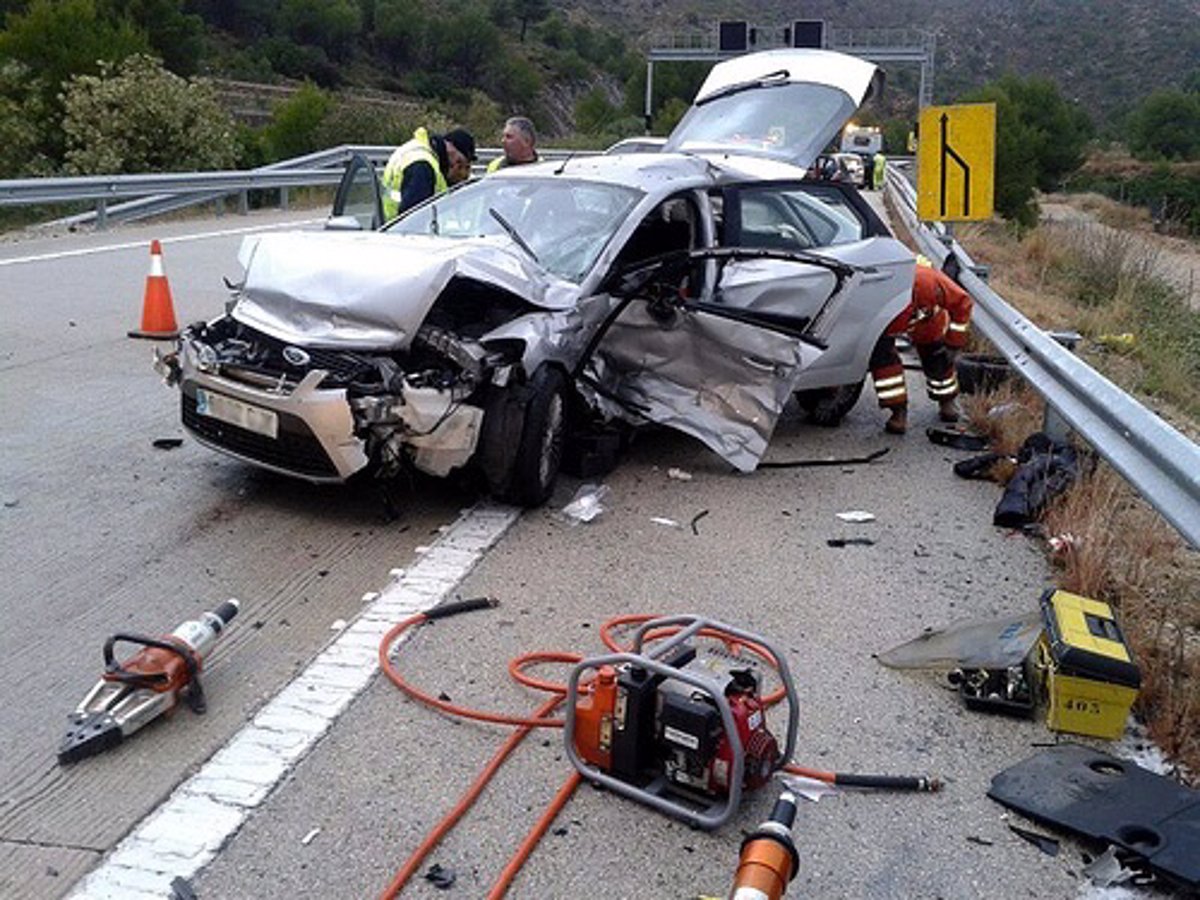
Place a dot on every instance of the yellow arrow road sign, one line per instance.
(956, 162)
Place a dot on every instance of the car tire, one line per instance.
(828, 406)
(979, 373)
(543, 435)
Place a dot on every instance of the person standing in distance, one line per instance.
(517, 140)
(425, 166)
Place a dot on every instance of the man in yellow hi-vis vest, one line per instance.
(517, 139)
(425, 166)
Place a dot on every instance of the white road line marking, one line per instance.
(137, 245)
(185, 833)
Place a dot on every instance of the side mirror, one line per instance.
(343, 223)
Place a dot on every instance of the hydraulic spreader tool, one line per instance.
(681, 731)
(768, 859)
(137, 690)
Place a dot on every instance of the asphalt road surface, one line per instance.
(100, 532)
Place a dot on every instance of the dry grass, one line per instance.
(1140, 331)
(1116, 215)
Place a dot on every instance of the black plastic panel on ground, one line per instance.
(295, 450)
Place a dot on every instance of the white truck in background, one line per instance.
(865, 140)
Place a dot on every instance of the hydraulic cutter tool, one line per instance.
(143, 687)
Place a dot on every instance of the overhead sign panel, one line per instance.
(808, 33)
(956, 162)
(733, 37)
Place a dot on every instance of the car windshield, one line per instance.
(564, 223)
(789, 121)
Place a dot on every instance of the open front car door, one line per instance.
(719, 373)
(358, 205)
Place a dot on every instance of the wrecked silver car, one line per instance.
(499, 324)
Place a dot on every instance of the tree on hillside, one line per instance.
(138, 117)
(50, 42)
(1166, 125)
(175, 37)
(462, 45)
(332, 25)
(399, 31)
(21, 116)
(1039, 140)
(530, 12)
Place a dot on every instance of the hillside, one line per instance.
(1105, 54)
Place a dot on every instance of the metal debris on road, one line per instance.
(856, 515)
(308, 838)
(1043, 842)
(849, 542)
(679, 474)
(830, 461)
(166, 443)
(695, 519)
(663, 520)
(441, 877)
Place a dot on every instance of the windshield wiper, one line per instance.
(512, 233)
(775, 79)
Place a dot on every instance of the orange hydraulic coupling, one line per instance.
(769, 859)
(594, 719)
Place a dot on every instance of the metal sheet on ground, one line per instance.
(391, 768)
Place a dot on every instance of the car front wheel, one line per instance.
(543, 434)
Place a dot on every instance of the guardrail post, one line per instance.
(101, 214)
(283, 198)
(243, 203)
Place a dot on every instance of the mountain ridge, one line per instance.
(1106, 55)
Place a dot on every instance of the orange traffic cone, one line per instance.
(158, 316)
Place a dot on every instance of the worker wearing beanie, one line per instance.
(425, 166)
(937, 319)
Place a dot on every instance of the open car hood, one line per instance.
(368, 291)
(784, 104)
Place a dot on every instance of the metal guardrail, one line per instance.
(162, 193)
(1162, 464)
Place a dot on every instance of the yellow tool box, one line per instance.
(1091, 679)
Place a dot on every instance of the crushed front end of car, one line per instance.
(329, 363)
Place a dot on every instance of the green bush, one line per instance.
(1173, 199)
(296, 123)
(1166, 125)
(138, 117)
(50, 41)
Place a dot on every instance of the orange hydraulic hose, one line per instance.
(500, 888)
(385, 663)
(448, 821)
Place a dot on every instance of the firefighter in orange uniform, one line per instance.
(936, 320)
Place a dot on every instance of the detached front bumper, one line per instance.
(296, 430)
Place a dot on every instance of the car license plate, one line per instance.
(235, 412)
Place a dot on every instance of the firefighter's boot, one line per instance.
(948, 410)
(897, 423)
